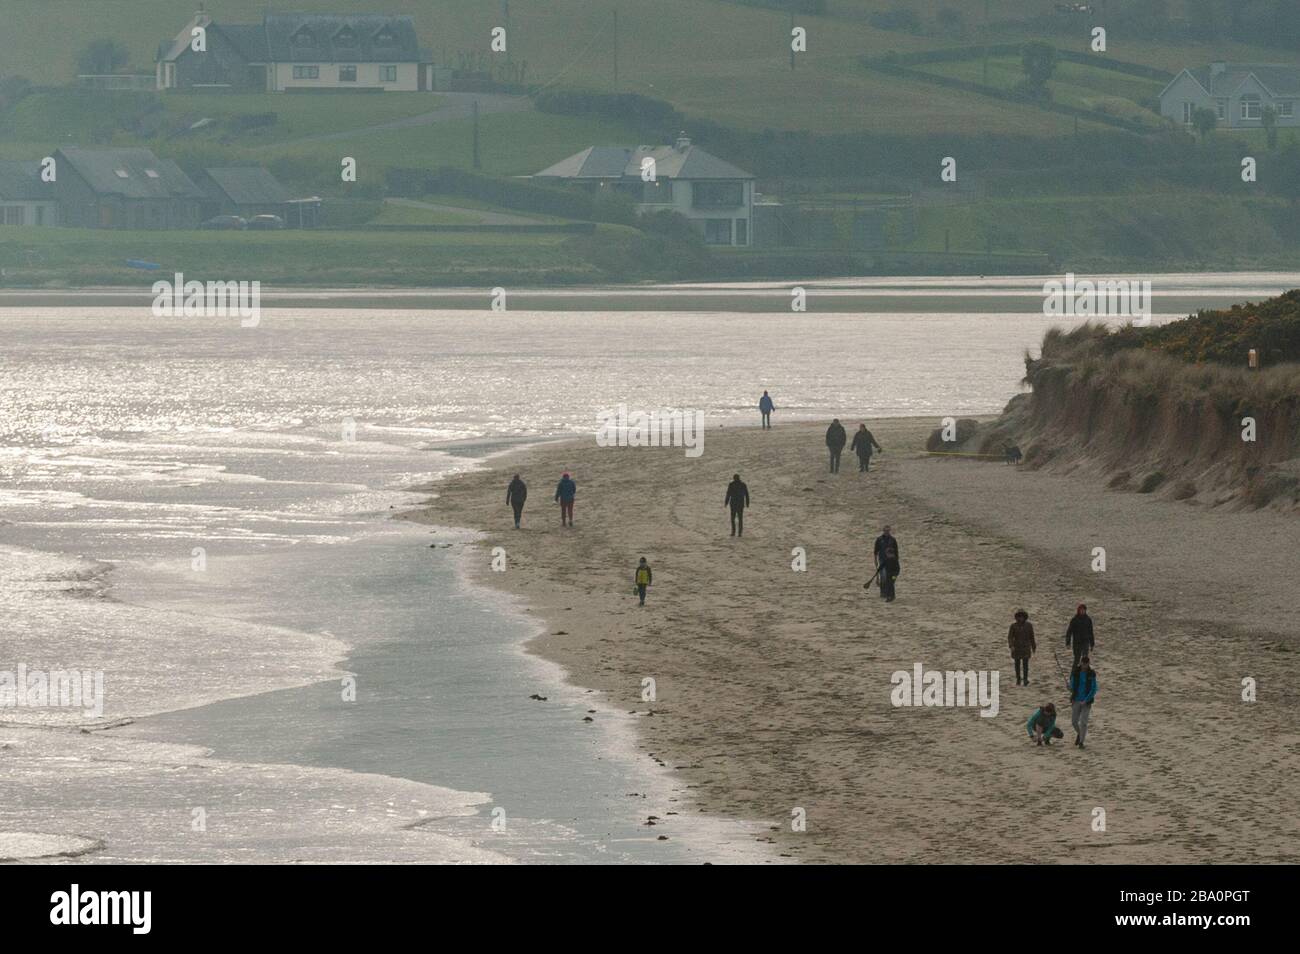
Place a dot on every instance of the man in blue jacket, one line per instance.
(565, 491)
(1083, 689)
(766, 407)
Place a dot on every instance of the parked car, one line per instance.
(266, 222)
(224, 222)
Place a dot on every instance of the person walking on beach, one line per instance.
(1042, 725)
(835, 441)
(643, 578)
(565, 491)
(1083, 689)
(516, 494)
(766, 407)
(1079, 632)
(863, 441)
(1021, 640)
(885, 552)
(737, 499)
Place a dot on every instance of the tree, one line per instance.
(1204, 121)
(100, 57)
(1038, 60)
(1268, 119)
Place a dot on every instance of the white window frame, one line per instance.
(305, 72)
(1252, 103)
(1285, 108)
(1221, 109)
(386, 71)
(348, 66)
(1189, 110)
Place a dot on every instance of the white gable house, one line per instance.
(297, 51)
(717, 197)
(1237, 93)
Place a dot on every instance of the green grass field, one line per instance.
(712, 58)
(90, 256)
(1072, 84)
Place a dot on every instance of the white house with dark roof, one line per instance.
(717, 197)
(1237, 93)
(297, 51)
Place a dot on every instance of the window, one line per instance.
(1286, 108)
(347, 74)
(13, 215)
(742, 231)
(121, 173)
(302, 37)
(151, 173)
(388, 74)
(719, 194)
(345, 37)
(1188, 110)
(717, 231)
(1221, 110)
(659, 192)
(306, 72)
(385, 38)
(1250, 107)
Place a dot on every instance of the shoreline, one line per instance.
(760, 713)
(1174, 294)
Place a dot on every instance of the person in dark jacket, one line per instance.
(863, 441)
(565, 491)
(516, 494)
(1020, 638)
(1042, 725)
(885, 552)
(737, 499)
(1083, 689)
(766, 407)
(643, 577)
(835, 441)
(1079, 633)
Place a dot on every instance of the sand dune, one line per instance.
(773, 686)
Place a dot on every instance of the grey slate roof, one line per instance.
(101, 167)
(272, 40)
(245, 185)
(1279, 79)
(615, 162)
(21, 182)
(328, 33)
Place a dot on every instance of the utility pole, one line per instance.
(986, 42)
(477, 164)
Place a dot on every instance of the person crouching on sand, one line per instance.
(1042, 725)
(1021, 640)
(516, 494)
(565, 491)
(1083, 689)
(643, 579)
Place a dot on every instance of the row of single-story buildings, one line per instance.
(135, 189)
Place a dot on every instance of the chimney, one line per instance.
(1217, 68)
(683, 142)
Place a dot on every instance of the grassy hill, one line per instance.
(725, 60)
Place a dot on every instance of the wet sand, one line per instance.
(773, 686)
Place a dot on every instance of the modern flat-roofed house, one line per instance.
(124, 189)
(297, 52)
(24, 198)
(717, 197)
(1237, 93)
(251, 190)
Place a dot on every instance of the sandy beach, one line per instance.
(772, 686)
